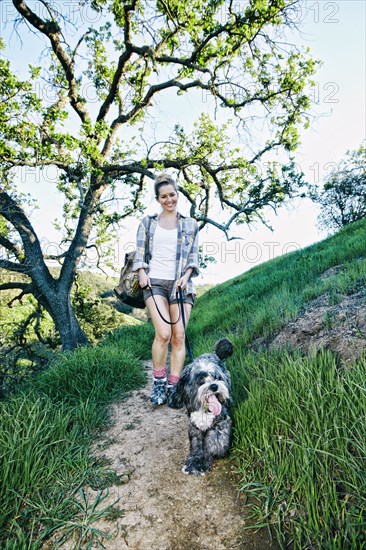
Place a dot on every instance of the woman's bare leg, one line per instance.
(178, 351)
(162, 330)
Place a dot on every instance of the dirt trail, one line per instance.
(165, 509)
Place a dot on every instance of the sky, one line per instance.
(335, 32)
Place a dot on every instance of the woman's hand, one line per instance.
(143, 278)
(182, 282)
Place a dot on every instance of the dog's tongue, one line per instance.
(214, 405)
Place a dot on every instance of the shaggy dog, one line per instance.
(204, 388)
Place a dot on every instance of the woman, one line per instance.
(167, 258)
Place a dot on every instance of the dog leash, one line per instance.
(158, 310)
(180, 299)
(188, 347)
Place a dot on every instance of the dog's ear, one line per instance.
(179, 394)
(227, 380)
(223, 349)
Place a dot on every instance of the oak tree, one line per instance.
(342, 197)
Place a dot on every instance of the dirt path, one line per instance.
(165, 509)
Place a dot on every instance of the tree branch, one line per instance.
(13, 248)
(14, 286)
(12, 266)
(32, 248)
(152, 53)
(52, 31)
(123, 59)
(83, 229)
(37, 162)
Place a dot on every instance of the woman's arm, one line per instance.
(193, 255)
(141, 245)
(143, 278)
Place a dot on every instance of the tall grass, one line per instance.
(45, 437)
(300, 446)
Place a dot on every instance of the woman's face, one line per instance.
(168, 197)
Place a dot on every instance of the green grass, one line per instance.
(22, 354)
(300, 425)
(45, 437)
(299, 422)
(264, 299)
(300, 446)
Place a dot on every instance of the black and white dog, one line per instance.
(204, 388)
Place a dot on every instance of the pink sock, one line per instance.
(172, 379)
(159, 373)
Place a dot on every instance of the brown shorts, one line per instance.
(162, 287)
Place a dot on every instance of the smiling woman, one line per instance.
(166, 259)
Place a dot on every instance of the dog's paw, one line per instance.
(197, 466)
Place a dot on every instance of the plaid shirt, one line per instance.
(187, 248)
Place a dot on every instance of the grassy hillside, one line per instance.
(300, 421)
(264, 299)
(300, 429)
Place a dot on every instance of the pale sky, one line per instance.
(335, 33)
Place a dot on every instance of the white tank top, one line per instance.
(163, 254)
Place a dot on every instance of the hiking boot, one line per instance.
(158, 394)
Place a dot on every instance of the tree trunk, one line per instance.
(57, 301)
(67, 325)
(54, 295)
